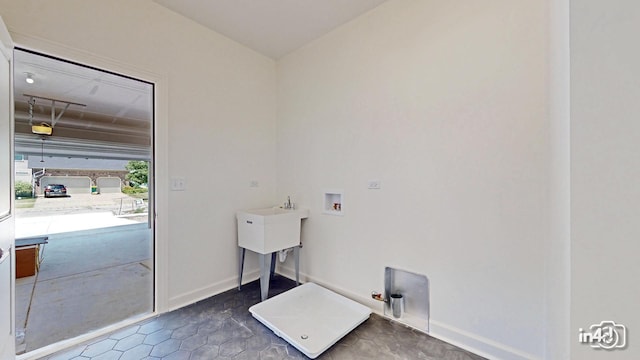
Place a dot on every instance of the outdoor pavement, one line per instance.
(96, 270)
(116, 203)
(59, 224)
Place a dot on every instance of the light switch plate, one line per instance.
(178, 184)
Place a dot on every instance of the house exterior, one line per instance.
(22, 171)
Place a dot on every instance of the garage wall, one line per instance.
(74, 184)
(215, 97)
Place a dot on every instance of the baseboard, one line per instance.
(477, 344)
(465, 340)
(204, 292)
(375, 305)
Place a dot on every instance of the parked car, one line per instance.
(55, 190)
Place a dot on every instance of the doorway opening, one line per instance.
(84, 180)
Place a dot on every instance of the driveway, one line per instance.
(117, 202)
(78, 212)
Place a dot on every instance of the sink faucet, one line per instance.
(287, 205)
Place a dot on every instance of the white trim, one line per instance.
(161, 157)
(477, 344)
(6, 42)
(52, 48)
(7, 219)
(161, 137)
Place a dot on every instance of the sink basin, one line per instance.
(302, 213)
(269, 229)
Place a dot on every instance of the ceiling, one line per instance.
(115, 122)
(271, 27)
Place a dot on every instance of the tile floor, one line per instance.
(221, 327)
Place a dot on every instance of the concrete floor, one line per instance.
(88, 279)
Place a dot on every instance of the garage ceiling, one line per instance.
(115, 123)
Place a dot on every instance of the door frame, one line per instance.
(160, 161)
(7, 221)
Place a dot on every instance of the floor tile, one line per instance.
(109, 355)
(178, 355)
(139, 352)
(222, 328)
(193, 342)
(185, 331)
(99, 348)
(157, 337)
(205, 352)
(151, 327)
(165, 348)
(124, 333)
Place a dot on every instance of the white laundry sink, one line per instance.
(269, 229)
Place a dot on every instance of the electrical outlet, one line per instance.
(178, 184)
(373, 184)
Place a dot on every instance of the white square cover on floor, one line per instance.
(310, 317)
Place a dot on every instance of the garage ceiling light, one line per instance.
(42, 129)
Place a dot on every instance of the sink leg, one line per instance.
(241, 253)
(265, 266)
(296, 256)
(273, 264)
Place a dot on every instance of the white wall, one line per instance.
(605, 171)
(216, 97)
(446, 103)
(557, 250)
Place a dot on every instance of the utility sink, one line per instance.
(268, 230)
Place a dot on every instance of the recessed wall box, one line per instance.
(333, 202)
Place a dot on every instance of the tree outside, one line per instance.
(138, 175)
(138, 178)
